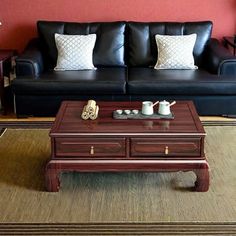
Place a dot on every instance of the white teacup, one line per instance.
(147, 108)
(119, 112)
(127, 112)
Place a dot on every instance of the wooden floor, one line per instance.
(12, 117)
(10, 120)
(30, 119)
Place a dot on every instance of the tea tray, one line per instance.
(140, 116)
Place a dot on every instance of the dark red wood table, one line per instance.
(5, 67)
(107, 144)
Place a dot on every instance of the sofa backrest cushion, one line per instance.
(109, 46)
(142, 49)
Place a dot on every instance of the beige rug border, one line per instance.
(120, 228)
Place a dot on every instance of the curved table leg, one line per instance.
(202, 181)
(52, 178)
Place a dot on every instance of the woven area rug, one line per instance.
(114, 203)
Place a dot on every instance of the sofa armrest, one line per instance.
(30, 62)
(218, 60)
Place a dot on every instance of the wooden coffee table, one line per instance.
(113, 145)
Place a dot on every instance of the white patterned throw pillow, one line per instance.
(75, 52)
(175, 52)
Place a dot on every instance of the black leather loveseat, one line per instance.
(124, 54)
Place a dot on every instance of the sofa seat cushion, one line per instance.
(101, 81)
(178, 82)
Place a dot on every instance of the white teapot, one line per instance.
(164, 107)
(147, 107)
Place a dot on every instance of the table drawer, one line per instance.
(90, 147)
(165, 147)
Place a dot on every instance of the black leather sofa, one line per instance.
(124, 54)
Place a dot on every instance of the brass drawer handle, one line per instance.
(92, 150)
(166, 150)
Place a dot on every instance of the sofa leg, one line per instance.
(21, 116)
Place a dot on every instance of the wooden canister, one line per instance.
(94, 115)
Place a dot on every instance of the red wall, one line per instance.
(18, 17)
